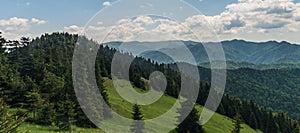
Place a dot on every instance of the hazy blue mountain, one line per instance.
(236, 65)
(238, 51)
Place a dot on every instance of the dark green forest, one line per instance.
(36, 76)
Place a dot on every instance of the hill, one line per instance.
(231, 65)
(218, 123)
(270, 52)
(38, 78)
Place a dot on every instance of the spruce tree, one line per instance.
(272, 126)
(237, 120)
(106, 109)
(2, 42)
(253, 121)
(46, 114)
(190, 124)
(34, 102)
(65, 114)
(10, 122)
(137, 127)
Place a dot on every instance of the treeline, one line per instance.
(38, 77)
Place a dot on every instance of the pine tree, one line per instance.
(137, 127)
(46, 115)
(10, 122)
(2, 42)
(24, 41)
(106, 109)
(190, 124)
(34, 102)
(253, 121)
(65, 114)
(272, 127)
(237, 120)
(298, 125)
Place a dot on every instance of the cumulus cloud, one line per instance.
(265, 14)
(19, 24)
(37, 21)
(74, 29)
(14, 24)
(106, 3)
(250, 18)
(13, 28)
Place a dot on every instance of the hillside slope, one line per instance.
(218, 123)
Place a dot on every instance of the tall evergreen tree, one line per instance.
(106, 109)
(137, 127)
(10, 122)
(65, 114)
(24, 41)
(237, 120)
(2, 42)
(34, 102)
(46, 115)
(253, 121)
(272, 126)
(190, 124)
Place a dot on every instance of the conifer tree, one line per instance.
(106, 109)
(137, 127)
(253, 121)
(34, 102)
(272, 127)
(10, 122)
(65, 114)
(46, 115)
(237, 120)
(2, 42)
(190, 124)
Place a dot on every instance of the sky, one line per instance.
(252, 20)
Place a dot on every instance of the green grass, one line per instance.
(218, 123)
(32, 128)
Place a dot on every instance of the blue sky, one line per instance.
(59, 14)
(65, 12)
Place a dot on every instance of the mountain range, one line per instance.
(238, 53)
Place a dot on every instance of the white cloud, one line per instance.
(144, 20)
(74, 29)
(251, 17)
(106, 3)
(19, 24)
(99, 23)
(37, 21)
(15, 24)
(248, 19)
(15, 27)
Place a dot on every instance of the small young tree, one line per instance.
(237, 121)
(65, 114)
(10, 122)
(190, 124)
(34, 101)
(46, 114)
(137, 127)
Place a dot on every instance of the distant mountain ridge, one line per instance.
(238, 51)
(231, 65)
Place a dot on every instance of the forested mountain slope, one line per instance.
(39, 79)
